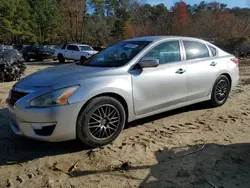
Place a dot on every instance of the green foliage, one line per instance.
(15, 20)
(44, 13)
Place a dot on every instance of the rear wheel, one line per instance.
(101, 121)
(60, 58)
(220, 91)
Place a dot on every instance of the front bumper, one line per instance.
(63, 118)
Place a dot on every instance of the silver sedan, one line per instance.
(133, 79)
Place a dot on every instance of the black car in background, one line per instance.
(37, 52)
(19, 47)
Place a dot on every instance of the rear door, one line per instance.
(202, 69)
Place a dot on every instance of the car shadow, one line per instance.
(194, 107)
(202, 165)
(16, 149)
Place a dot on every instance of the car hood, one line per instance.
(60, 74)
(92, 52)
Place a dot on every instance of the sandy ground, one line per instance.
(194, 147)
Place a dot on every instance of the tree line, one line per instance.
(103, 22)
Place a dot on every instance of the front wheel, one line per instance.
(101, 121)
(220, 91)
(60, 58)
(83, 58)
(26, 58)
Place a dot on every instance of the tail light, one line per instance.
(235, 60)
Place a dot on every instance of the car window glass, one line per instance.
(117, 55)
(72, 47)
(75, 48)
(69, 47)
(213, 50)
(195, 50)
(166, 52)
(64, 46)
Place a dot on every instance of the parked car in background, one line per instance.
(19, 47)
(76, 52)
(93, 100)
(37, 52)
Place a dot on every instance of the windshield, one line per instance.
(85, 48)
(116, 55)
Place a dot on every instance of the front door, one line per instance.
(163, 86)
(75, 54)
(68, 52)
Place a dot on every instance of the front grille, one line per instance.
(15, 96)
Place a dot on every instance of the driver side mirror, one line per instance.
(147, 63)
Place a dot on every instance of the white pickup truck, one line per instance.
(76, 52)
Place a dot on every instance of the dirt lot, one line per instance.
(191, 147)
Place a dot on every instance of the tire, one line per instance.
(26, 58)
(60, 58)
(92, 132)
(83, 58)
(220, 92)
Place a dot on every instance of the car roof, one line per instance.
(158, 38)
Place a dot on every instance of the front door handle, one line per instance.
(213, 64)
(180, 71)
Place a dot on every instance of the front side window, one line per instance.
(166, 52)
(117, 55)
(195, 50)
(72, 47)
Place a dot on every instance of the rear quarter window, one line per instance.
(213, 50)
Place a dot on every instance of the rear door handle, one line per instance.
(213, 64)
(180, 71)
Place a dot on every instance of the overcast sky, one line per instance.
(230, 3)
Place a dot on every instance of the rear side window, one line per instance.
(213, 50)
(195, 50)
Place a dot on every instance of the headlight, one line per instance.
(57, 97)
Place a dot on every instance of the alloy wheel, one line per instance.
(104, 122)
(221, 90)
